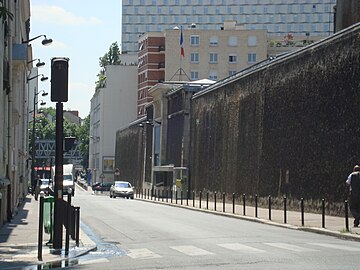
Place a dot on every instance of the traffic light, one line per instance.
(59, 79)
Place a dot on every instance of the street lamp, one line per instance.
(46, 41)
(38, 64)
(43, 78)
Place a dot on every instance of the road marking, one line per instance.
(289, 247)
(101, 260)
(241, 247)
(334, 246)
(142, 253)
(192, 250)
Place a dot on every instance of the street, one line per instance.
(133, 234)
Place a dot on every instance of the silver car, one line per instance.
(122, 189)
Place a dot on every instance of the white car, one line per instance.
(122, 189)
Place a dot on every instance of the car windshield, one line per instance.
(45, 182)
(123, 185)
(67, 177)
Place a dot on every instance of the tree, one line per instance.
(82, 135)
(112, 57)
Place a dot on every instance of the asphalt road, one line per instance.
(133, 234)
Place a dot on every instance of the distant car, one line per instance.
(122, 189)
(101, 186)
(45, 185)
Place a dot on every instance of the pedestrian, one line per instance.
(354, 182)
(37, 188)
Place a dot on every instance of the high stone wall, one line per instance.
(291, 127)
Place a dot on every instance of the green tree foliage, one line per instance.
(112, 57)
(45, 126)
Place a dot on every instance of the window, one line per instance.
(194, 57)
(232, 72)
(232, 58)
(252, 40)
(214, 41)
(213, 75)
(213, 58)
(251, 57)
(232, 41)
(194, 75)
(194, 40)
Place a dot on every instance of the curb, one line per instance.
(344, 236)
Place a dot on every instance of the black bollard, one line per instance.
(77, 225)
(167, 195)
(187, 197)
(323, 212)
(302, 211)
(285, 219)
(256, 205)
(181, 197)
(200, 199)
(346, 216)
(41, 221)
(215, 200)
(244, 206)
(233, 202)
(269, 207)
(193, 198)
(223, 197)
(171, 195)
(175, 196)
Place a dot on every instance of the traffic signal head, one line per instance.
(59, 79)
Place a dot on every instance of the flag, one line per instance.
(182, 53)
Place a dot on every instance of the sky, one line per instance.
(82, 31)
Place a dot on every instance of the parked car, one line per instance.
(122, 189)
(101, 186)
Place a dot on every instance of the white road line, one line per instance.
(192, 250)
(241, 247)
(101, 260)
(142, 253)
(289, 247)
(334, 246)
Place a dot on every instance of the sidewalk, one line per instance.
(19, 240)
(334, 226)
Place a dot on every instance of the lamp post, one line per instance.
(42, 103)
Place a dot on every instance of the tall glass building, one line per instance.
(278, 17)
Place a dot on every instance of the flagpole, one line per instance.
(181, 51)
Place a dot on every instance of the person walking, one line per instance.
(353, 181)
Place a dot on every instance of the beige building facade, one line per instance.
(212, 54)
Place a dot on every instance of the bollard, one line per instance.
(193, 198)
(181, 197)
(223, 197)
(346, 216)
(285, 221)
(215, 200)
(167, 195)
(175, 196)
(207, 200)
(162, 195)
(302, 211)
(171, 195)
(41, 221)
(244, 206)
(269, 207)
(323, 212)
(67, 235)
(77, 224)
(256, 205)
(187, 197)
(200, 199)
(233, 202)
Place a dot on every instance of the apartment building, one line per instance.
(277, 17)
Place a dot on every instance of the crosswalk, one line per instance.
(273, 247)
(221, 248)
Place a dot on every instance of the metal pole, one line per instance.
(323, 212)
(233, 202)
(256, 205)
(269, 207)
(302, 211)
(58, 220)
(33, 176)
(346, 216)
(41, 221)
(207, 200)
(77, 225)
(200, 199)
(244, 204)
(68, 214)
(223, 197)
(215, 200)
(285, 218)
